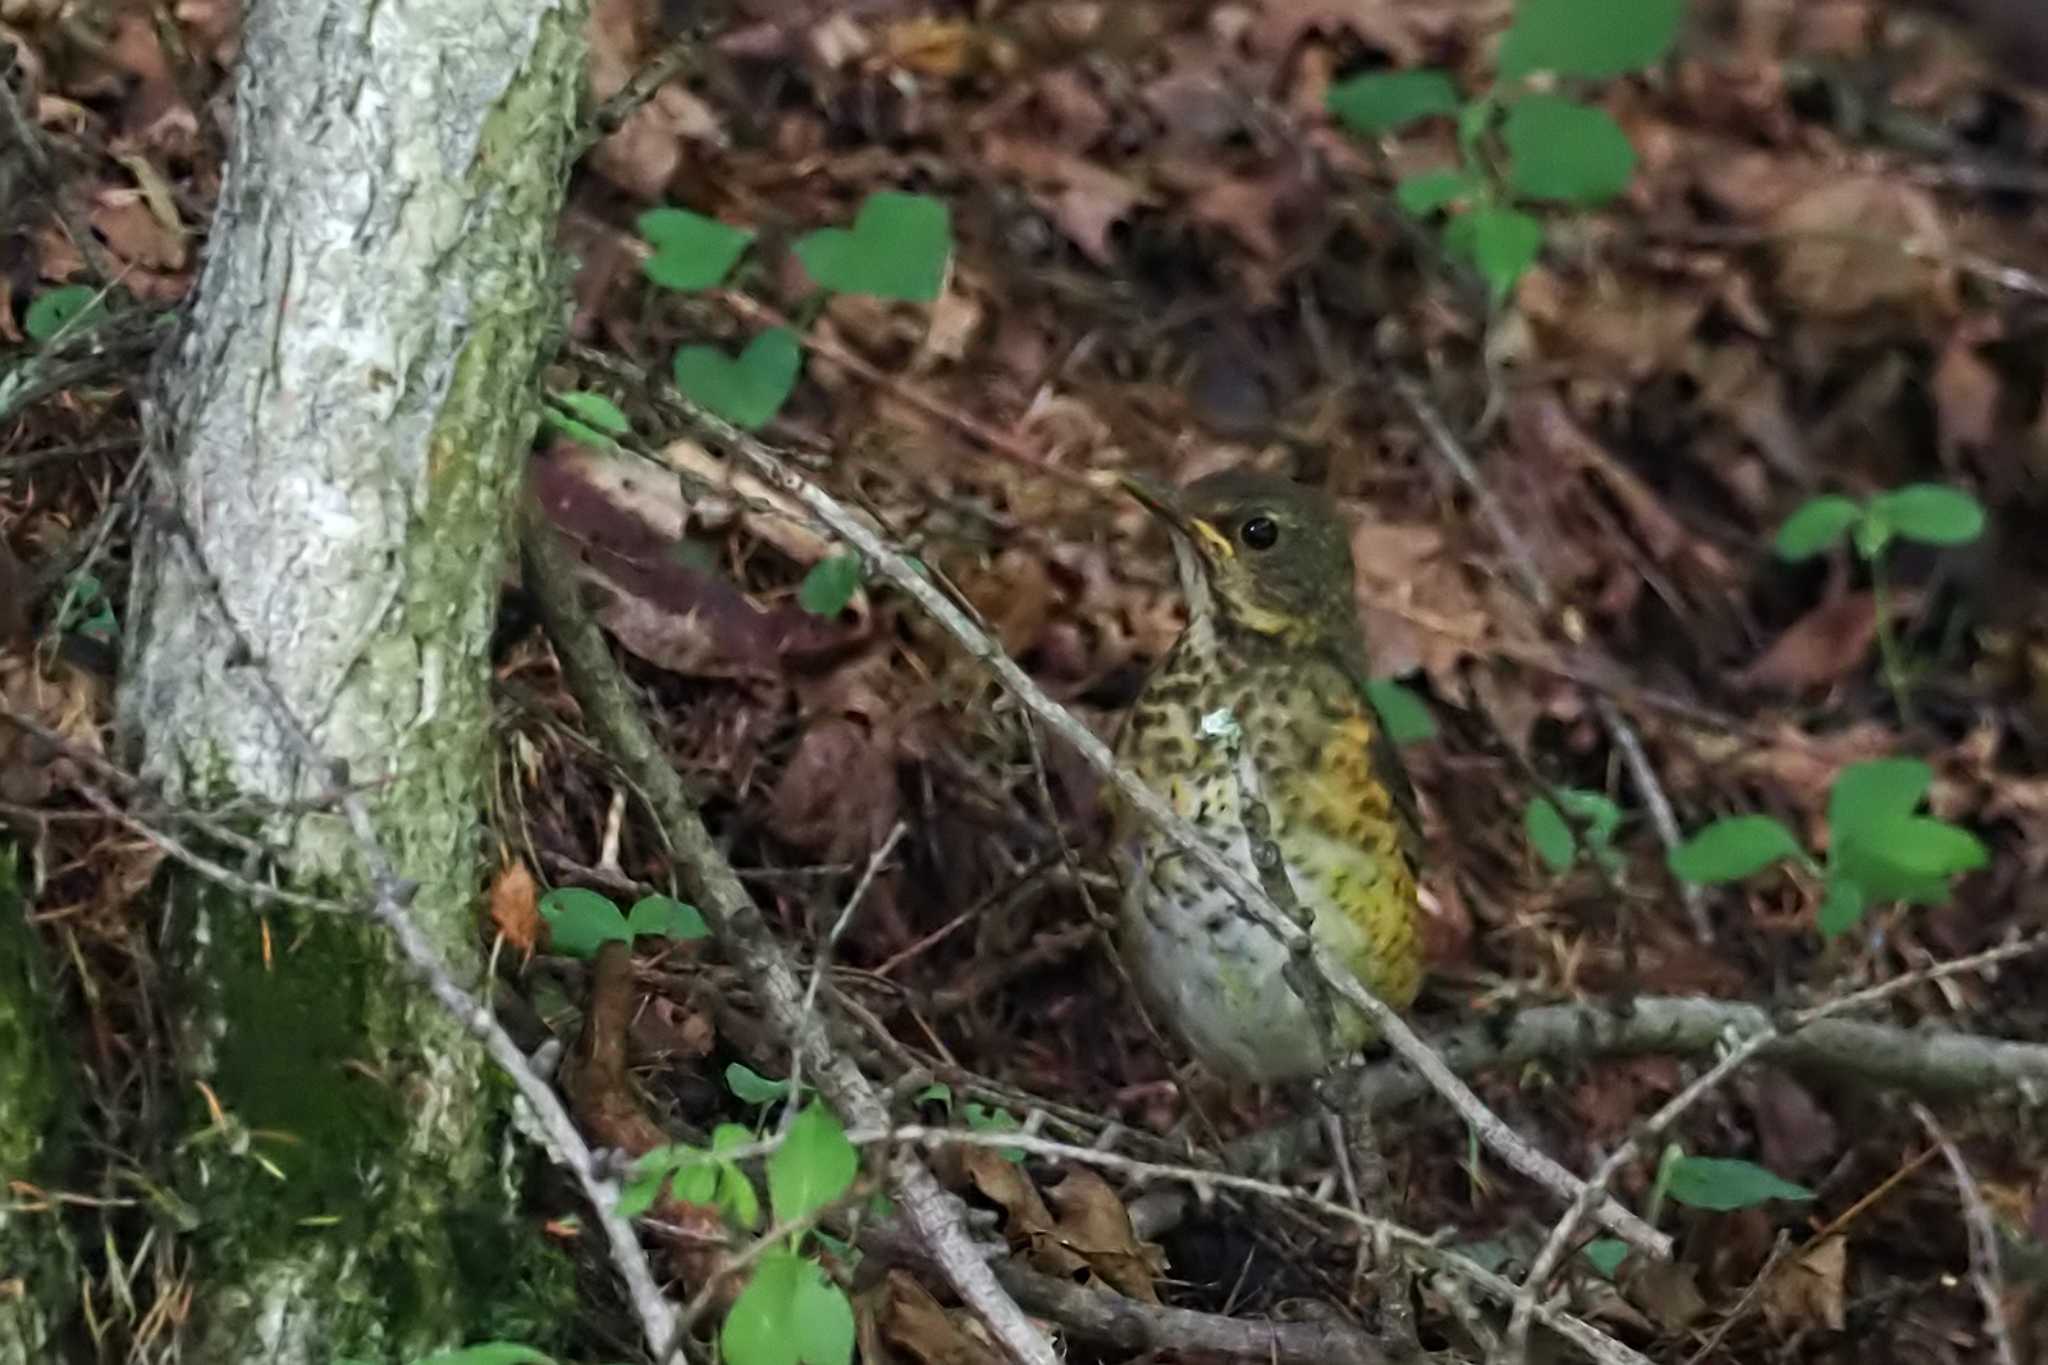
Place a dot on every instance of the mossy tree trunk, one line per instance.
(337, 435)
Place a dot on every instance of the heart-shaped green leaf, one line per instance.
(1595, 38)
(1549, 834)
(690, 250)
(1405, 715)
(830, 585)
(1931, 513)
(1564, 151)
(1818, 525)
(1732, 848)
(748, 390)
(1878, 789)
(1721, 1184)
(1503, 242)
(54, 309)
(666, 917)
(1422, 195)
(1381, 101)
(581, 921)
(814, 1165)
(896, 249)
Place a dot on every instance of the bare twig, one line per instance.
(675, 59)
(824, 960)
(206, 867)
(1492, 1131)
(1984, 1267)
(1537, 588)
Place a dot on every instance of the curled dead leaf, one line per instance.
(515, 907)
(1805, 1290)
(1855, 243)
(1824, 646)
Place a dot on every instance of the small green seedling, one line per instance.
(1550, 832)
(1518, 144)
(581, 921)
(60, 311)
(1927, 513)
(1879, 847)
(590, 418)
(1404, 714)
(899, 247)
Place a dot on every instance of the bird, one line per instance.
(1257, 730)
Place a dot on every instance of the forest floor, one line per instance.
(1828, 274)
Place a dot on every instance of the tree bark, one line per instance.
(337, 434)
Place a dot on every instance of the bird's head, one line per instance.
(1266, 554)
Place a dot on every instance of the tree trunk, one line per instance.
(338, 432)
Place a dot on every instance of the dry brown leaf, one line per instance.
(1966, 387)
(1824, 646)
(1417, 607)
(515, 907)
(1805, 1291)
(1392, 28)
(943, 48)
(1842, 248)
(901, 1313)
(1029, 1222)
(1797, 1135)
(1085, 200)
(1095, 1223)
(1620, 326)
(1668, 1292)
(134, 233)
(838, 796)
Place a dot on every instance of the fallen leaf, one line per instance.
(1805, 1291)
(1966, 387)
(1095, 1223)
(515, 907)
(905, 1316)
(1825, 645)
(1842, 248)
(1668, 1291)
(1797, 1136)
(1083, 199)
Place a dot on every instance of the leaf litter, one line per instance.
(1794, 296)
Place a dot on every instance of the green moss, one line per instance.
(35, 1250)
(29, 1063)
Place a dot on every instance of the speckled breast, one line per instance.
(1209, 733)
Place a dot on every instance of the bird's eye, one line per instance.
(1259, 533)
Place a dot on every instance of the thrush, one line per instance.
(1257, 729)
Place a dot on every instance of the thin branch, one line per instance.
(824, 961)
(1984, 1268)
(205, 867)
